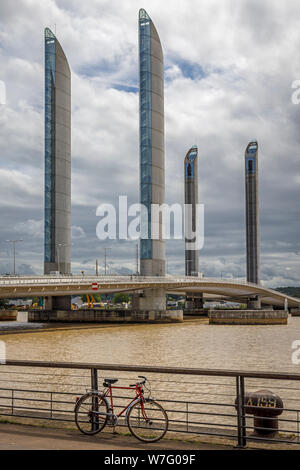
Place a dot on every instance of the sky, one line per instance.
(229, 68)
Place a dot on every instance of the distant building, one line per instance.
(57, 157)
(252, 213)
(152, 153)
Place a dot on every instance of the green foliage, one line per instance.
(292, 291)
(3, 303)
(121, 297)
(37, 300)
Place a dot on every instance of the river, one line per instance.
(190, 344)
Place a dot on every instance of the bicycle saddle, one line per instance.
(110, 381)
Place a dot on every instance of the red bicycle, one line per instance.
(145, 418)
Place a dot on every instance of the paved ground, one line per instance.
(22, 437)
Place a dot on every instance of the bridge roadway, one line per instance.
(29, 286)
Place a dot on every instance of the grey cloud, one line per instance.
(249, 52)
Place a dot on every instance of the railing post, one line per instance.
(187, 416)
(242, 388)
(95, 407)
(240, 407)
(94, 379)
(51, 405)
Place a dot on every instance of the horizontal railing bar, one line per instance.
(280, 387)
(118, 397)
(269, 418)
(190, 412)
(43, 383)
(39, 400)
(231, 405)
(184, 412)
(38, 417)
(44, 410)
(41, 391)
(291, 410)
(156, 380)
(275, 441)
(159, 370)
(231, 436)
(289, 431)
(42, 373)
(202, 423)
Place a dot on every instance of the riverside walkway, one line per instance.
(24, 437)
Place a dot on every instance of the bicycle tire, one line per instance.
(86, 422)
(143, 429)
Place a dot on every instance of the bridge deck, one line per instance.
(28, 286)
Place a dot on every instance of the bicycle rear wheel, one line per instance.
(148, 421)
(91, 413)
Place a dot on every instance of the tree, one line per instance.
(121, 297)
(3, 303)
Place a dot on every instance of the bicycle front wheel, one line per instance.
(148, 421)
(91, 413)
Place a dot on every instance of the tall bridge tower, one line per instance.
(252, 212)
(194, 301)
(152, 145)
(57, 237)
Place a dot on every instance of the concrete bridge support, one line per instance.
(254, 303)
(151, 305)
(194, 304)
(150, 299)
(62, 302)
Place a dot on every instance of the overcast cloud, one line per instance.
(229, 67)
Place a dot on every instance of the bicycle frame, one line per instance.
(100, 412)
(138, 396)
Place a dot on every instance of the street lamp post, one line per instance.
(14, 251)
(105, 259)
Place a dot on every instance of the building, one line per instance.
(152, 153)
(252, 212)
(194, 301)
(57, 157)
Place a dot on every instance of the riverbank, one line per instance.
(14, 327)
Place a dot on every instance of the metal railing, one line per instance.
(198, 401)
(7, 280)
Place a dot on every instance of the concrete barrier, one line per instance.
(196, 312)
(8, 315)
(295, 312)
(105, 316)
(248, 317)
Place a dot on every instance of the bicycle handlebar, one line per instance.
(140, 383)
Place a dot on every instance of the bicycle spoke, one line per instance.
(148, 422)
(91, 413)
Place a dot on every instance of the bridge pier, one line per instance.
(151, 305)
(194, 304)
(57, 302)
(254, 303)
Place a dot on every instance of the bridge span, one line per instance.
(44, 286)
